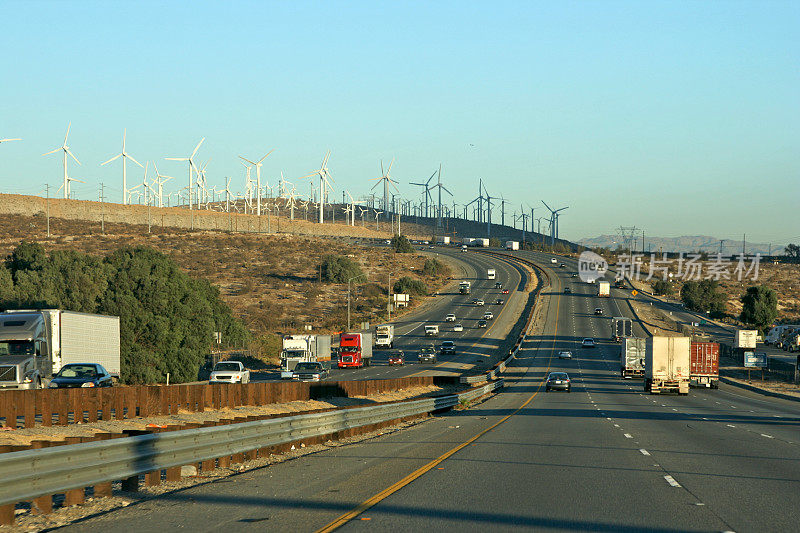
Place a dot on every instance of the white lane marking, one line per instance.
(672, 481)
(628, 436)
(767, 436)
(730, 425)
(644, 452)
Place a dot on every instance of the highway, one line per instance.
(604, 457)
(473, 344)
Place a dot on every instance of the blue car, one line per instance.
(81, 375)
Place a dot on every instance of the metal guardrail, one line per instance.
(28, 474)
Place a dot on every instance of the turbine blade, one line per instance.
(176, 158)
(240, 157)
(110, 160)
(132, 159)
(196, 148)
(67, 135)
(263, 158)
(52, 151)
(72, 155)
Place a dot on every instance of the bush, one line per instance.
(339, 269)
(663, 288)
(759, 307)
(401, 245)
(494, 242)
(433, 267)
(703, 296)
(410, 286)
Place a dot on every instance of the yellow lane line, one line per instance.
(385, 493)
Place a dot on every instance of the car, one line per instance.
(458, 327)
(562, 265)
(498, 285)
(447, 347)
(478, 301)
(565, 354)
(558, 381)
(387, 241)
(81, 375)
(488, 315)
(310, 371)
(574, 274)
(482, 323)
(500, 301)
(505, 291)
(464, 248)
(450, 317)
(588, 343)
(567, 290)
(431, 330)
(229, 372)
(427, 354)
(397, 358)
(553, 260)
(598, 311)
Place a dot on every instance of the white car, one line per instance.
(229, 372)
(588, 343)
(553, 260)
(458, 327)
(565, 354)
(488, 315)
(450, 318)
(478, 301)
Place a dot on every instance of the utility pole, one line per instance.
(47, 208)
(744, 243)
(102, 210)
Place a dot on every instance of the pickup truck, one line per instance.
(229, 372)
(432, 331)
(310, 372)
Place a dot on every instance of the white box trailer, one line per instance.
(469, 241)
(442, 239)
(482, 243)
(632, 355)
(303, 349)
(667, 365)
(384, 336)
(512, 245)
(603, 289)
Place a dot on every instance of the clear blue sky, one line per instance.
(677, 117)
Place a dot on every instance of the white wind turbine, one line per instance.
(69, 188)
(258, 179)
(324, 184)
(160, 181)
(124, 155)
(362, 210)
(66, 151)
(386, 180)
(377, 214)
(190, 159)
(227, 194)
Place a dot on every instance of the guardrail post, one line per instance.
(76, 496)
(42, 504)
(7, 514)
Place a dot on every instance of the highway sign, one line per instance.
(755, 360)
(634, 292)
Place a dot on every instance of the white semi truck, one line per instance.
(303, 349)
(491, 273)
(667, 365)
(603, 289)
(384, 336)
(512, 245)
(36, 343)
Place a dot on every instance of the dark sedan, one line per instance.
(558, 381)
(83, 375)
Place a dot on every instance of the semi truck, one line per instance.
(469, 241)
(384, 336)
(303, 349)
(667, 365)
(704, 368)
(512, 245)
(621, 327)
(632, 354)
(442, 239)
(481, 243)
(603, 289)
(355, 350)
(36, 343)
(464, 287)
(491, 274)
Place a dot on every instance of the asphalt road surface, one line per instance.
(605, 457)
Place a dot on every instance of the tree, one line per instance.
(339, 269)
(759, 306)
(401, 245)
(703, 296)
(662, 288)
(792, 250)
(433, 267)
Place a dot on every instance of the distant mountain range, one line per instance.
(686, 243)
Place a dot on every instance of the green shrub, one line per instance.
(410, 286)
(339, 269)
(662, 288)
(759, 307)
(433, 267)
(401, 245)
(703, 296)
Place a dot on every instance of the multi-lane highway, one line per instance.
(604, 457)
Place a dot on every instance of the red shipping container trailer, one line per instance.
(704, 365)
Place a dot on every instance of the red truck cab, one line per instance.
(350, 346)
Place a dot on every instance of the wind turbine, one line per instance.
(377, 224)
(427, 192)
(190, 159)
(125, 156)
(488, 212)
(386, 180)
(66, 151)
(258, 179)
(69, 189)
(440, 187)
(324, 184)
(553, 222)
(161, 181)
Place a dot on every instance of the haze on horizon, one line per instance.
(679, 118)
